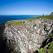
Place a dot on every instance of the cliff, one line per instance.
(27, 36)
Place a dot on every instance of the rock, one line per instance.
(24, 38)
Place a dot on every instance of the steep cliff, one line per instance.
(25, 36)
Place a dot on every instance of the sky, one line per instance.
(26, 7)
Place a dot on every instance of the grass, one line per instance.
(16, 22)
(49, 50)
(50, 47)
(50, 35)
(47, 17)
(43, 17)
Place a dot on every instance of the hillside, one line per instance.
(47, 17)
(27, 36)
(50, 16)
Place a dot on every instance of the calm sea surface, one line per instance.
(5, 18)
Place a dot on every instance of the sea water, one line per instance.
(5, 18)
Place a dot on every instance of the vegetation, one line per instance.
(49, 49)
(43, 17)
(16, 23)
(32, 18)
(47, 17)
(50, 35)
(42, 50)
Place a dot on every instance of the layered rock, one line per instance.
(28, 37)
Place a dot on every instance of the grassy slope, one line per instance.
(16, 23)
(48, 17)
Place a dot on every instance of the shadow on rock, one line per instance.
(3, 44)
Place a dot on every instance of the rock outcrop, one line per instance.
(28, 37)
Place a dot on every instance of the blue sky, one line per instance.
(26, 7)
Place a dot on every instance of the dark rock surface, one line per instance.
(3, 43)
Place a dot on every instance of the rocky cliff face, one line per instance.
(28, 37)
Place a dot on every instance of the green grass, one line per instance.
(50, 35)
(50, 47)
(49, 50)
(33, 18)
(42, 50)
(43, 17)
(16, 22)
(47, 17)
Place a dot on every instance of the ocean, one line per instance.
(5, 18)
